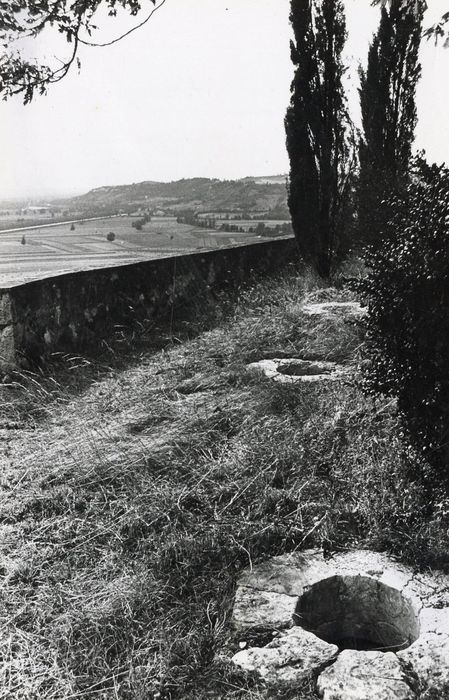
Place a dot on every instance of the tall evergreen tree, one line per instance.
(317, 131)
(387, 100)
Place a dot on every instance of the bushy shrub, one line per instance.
(407, 293)
(110, 236)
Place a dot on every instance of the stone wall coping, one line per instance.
(144, 259)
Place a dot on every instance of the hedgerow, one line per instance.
(407, 325)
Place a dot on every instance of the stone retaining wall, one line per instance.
(78, 310)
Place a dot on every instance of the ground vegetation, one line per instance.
(134, 491)
(408, 325)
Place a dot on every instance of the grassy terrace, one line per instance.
(132, 496)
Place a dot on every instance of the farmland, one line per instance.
(29, 254)
(97, 229)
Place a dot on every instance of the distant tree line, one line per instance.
(138, 224)
(231, 228)
(191, 218)
(274, 230)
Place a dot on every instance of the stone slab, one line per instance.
(434, 620)
(259, 610)
(7, 347)
(287, 574)
(365, 675)
(5, 309)
(429, 659)
(287, 659)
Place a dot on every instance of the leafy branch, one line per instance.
(74, 20)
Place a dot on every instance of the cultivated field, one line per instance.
(56, 249)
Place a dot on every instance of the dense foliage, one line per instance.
(317, 127)
(387, 100)
(407, 291)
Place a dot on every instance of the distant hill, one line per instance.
(266, 194)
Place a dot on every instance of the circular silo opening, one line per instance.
(358, 612)
(304, 368)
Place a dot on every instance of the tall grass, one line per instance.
(130, 505)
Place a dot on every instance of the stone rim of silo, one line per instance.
(297, 370)
(270, 599)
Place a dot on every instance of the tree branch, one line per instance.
(27, 18)
(130, 31)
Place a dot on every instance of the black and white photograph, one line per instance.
(224, 350)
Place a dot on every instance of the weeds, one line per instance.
(129, 506)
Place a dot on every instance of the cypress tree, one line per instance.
(317, 128)
(387, 100)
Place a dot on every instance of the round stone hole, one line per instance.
(358, 612)
(302, 368)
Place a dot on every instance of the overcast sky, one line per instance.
(201, 90)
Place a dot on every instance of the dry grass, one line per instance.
(131, 501)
